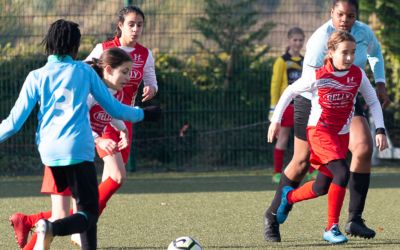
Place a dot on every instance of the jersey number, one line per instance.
(63, 106)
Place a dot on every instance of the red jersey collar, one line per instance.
(117, 42)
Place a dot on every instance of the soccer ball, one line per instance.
(184, 243)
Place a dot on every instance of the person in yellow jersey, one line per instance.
(287, 69)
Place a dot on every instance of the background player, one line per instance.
(129, 29)
(287, 69)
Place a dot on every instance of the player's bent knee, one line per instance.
(301, 166)
(90, 218)
(320, 189)
(321, 184)
(340, 171)
(362, 151)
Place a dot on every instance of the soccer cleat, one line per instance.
(284, 208)
(21, 228)
(357, 228)
(76, 240)
(334, 235)
(276, 178)
(271, 228)
(44, 235)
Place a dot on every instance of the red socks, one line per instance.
(31, 243)
(302, 193)
(336, 195)
(106, 189)
(33, 218)
(278, 160)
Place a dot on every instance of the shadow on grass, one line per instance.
(30, 186)
(352, 244)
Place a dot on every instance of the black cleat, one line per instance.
(271, 228)
(357, 228)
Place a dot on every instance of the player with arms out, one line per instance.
(334, 89)
(64, 136)
(114, 67)
(129, 29)
(343, 17)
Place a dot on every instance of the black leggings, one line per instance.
(82, 180)
(341, 174)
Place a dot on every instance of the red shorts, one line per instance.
(326, 147)
(111, 133)
(49, 186)
(288, 117)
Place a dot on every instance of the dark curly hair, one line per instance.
(63, 38)
(352, 2)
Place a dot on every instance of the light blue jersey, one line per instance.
(61, 88)
(367, 48)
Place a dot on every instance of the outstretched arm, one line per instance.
(371, 99)
(304, 84)
(26, 101)
(375, 59)
(111, 105)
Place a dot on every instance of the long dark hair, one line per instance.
(114, 57)
(121, 16)
(63, 38)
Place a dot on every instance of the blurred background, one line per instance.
(213, 62)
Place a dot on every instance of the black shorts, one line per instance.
(81, 178)
(358, 108)
(302, 108)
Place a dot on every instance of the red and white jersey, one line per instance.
(99, 118)
(143, 67)
(333, 97)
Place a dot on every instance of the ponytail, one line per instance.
(113, 57)
(95, 64)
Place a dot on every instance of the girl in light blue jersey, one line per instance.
(64, 136)
(114, 67)
(343, 17)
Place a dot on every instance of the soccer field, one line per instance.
(222, 210)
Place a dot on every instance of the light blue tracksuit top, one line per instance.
(61, 88)
(367, 48)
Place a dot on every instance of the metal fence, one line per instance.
(219, 134)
